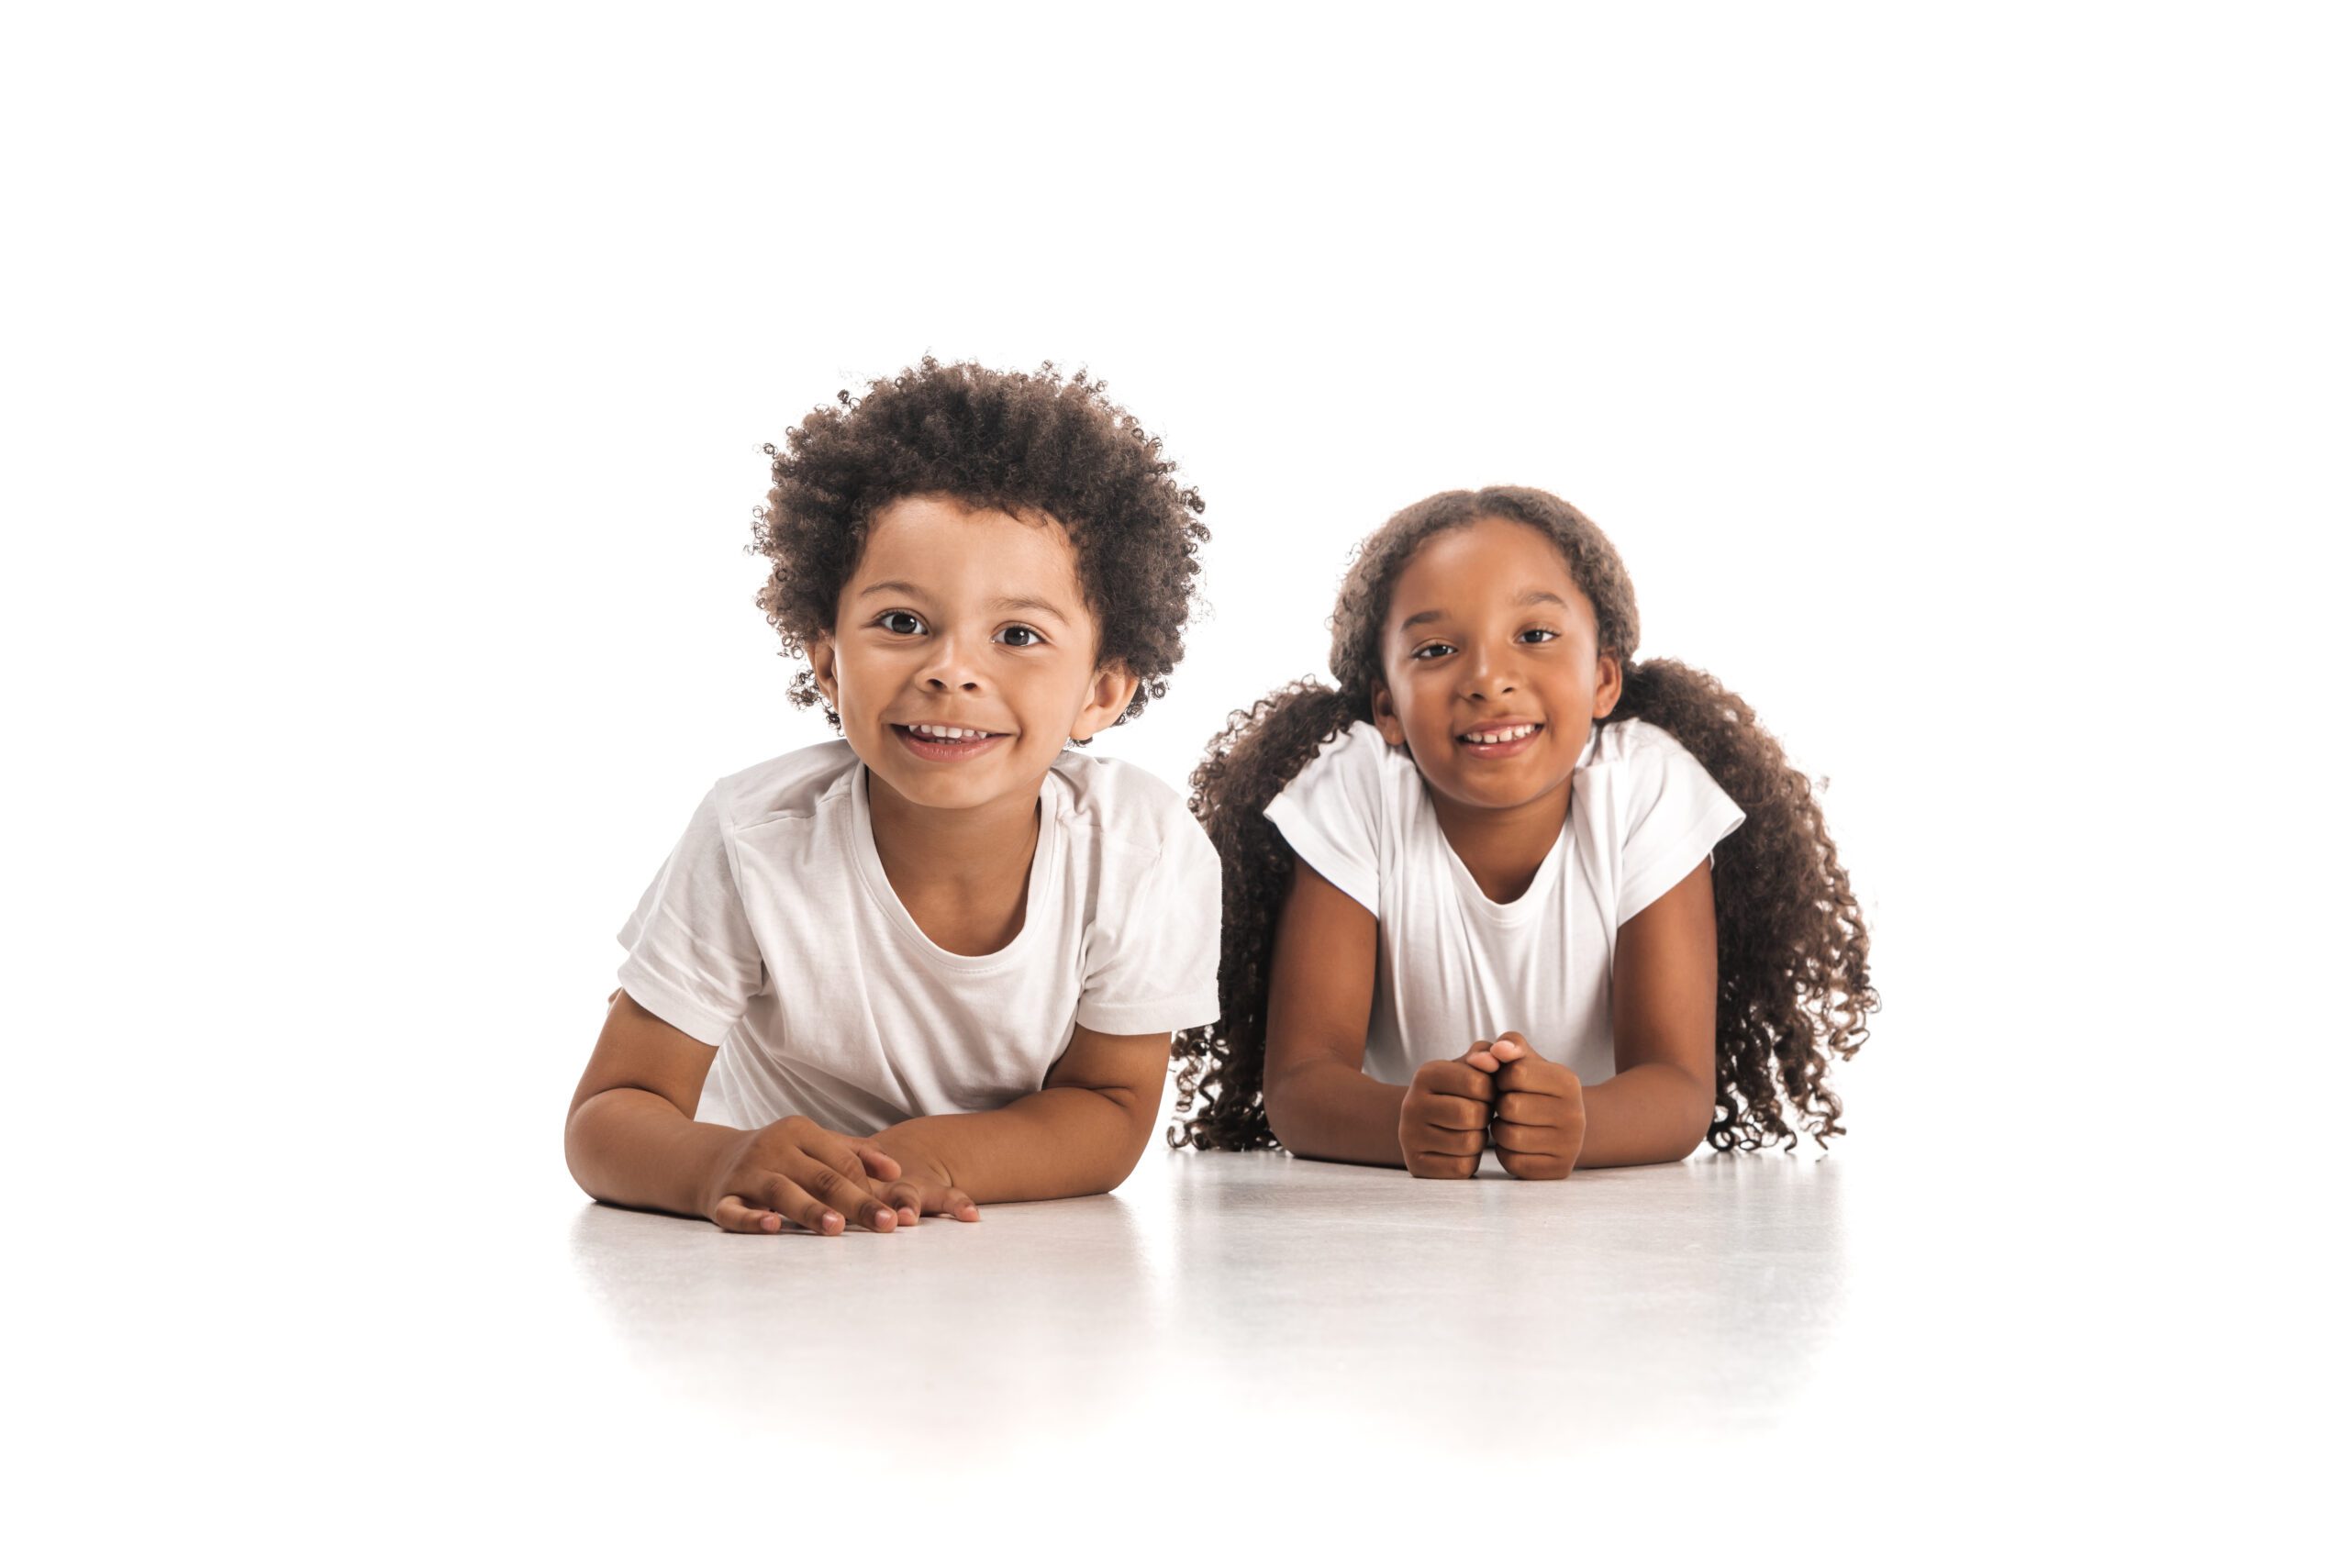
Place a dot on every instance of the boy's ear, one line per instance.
(1105, 700)
(823, 659)
(1611, 687)
(1382, 714)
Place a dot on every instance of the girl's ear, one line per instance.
(1611, 687)
(823, 659)
(1105, 700)
(1382, 714)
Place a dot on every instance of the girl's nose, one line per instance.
(1487, 676)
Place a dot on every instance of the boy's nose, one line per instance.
(949, 669)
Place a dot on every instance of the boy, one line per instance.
(939, 960)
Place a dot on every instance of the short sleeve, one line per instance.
(1151, 955)
(1673, 816)
(692, 960)
(1330, 814)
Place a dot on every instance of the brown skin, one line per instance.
(1488, 627)
(954, 615)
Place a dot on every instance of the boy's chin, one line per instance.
(988, 781)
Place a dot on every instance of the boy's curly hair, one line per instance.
(1002, 440)
(1793, 947)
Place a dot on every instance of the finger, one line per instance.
(1480, 1056)
(1456, 1078)
(905, 1198)
(1534, 1075)
(787, 1198)
(1442, 1140)
(848, 1192)
(1528, 1109)
(1519, 1138)
(734, 1214)
(1442, 1168)
(1538, 1167)
(1511, 1046)
(956, 1202)
(878, 1165)
(1454, 1113)
(851, 1193)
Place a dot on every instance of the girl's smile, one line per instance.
(1497, 738)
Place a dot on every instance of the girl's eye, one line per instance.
(1541, 634)
(1431, 650)
(1021, 635)
(904, 623)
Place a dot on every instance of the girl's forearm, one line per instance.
(1327, 1110)
(1060, 1143)
(630, 1146)
(1648, 1115)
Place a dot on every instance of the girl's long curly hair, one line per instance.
(1793, 947)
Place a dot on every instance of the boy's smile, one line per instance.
(960, 658)
(1493, 672)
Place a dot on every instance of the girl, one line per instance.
(937, 960)
(1473, 896)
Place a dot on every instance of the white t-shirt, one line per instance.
(772, 933)
(1453, 966)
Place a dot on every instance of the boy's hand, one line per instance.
(1538, 1115)
(796, 1170)
(1445, 1112)
(924, 1187)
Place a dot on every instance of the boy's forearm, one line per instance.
(1327, 1110)
(630, 1146)
(1058, 1143)
(1648, 1115)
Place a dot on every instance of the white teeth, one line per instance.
(947, 732)
(1495, 737)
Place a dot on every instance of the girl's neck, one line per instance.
(1504, 849)
(963, 875)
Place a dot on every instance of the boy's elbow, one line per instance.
(1285, 1119)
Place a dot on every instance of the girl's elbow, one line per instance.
(1696, 1124)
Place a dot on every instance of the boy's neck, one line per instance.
(1504, 849)
(961, 875)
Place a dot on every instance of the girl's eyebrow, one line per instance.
(1531, 596)
(1033, 606)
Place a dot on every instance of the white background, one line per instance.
(383, 405)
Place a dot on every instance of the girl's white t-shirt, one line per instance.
(772, 933)
(1453, 966)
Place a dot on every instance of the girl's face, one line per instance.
(968, 620)
(1492, 667)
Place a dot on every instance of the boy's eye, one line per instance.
(1540, 634)
(904, 623)
(1431, 650)
(1021, 635)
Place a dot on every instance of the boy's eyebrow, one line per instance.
(1034, 607)
(1531, 596)
(1038, 606)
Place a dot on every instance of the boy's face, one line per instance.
(966, 619)
(1488, 636)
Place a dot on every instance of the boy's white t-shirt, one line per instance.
(1453, 966)
(772, 933)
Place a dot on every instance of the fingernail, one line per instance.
(833, 1221)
